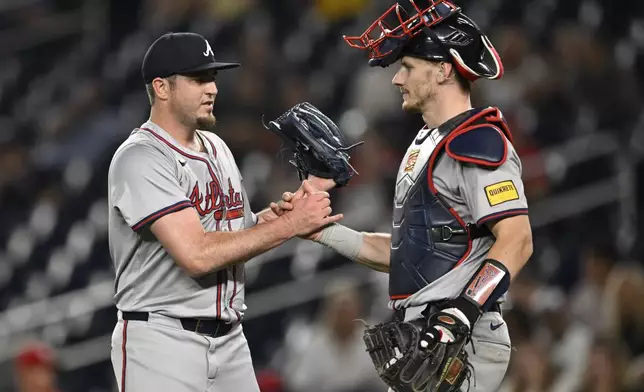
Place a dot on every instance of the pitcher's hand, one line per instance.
(311, 212)
(286, 204)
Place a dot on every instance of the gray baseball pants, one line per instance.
(159, 355)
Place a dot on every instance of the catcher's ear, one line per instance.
(442, 74)
(446, 72)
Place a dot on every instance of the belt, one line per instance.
(433, 308)
(209, 327)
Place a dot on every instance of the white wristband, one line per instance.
(343, 240)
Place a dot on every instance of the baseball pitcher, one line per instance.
(460, 230)
(180, 230)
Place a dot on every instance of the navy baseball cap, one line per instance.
(179, 54)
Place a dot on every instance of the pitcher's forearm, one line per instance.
(265, 215)
(200, 252)
(221, 249)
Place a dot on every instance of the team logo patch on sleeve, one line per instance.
(501, 192)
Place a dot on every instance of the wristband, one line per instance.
(489, 283)
(342, 239)
(480, 294)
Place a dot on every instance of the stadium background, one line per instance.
(71, 91)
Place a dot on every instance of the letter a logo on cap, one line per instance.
(208, 50)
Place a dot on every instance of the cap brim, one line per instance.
(209, 66)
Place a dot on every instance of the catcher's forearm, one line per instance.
(375, 251)
(513, 245)
(508, 255)
(370, 249)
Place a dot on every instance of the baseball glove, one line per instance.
(318, 146)
(410, 356)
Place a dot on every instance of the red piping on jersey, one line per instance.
(185, 154)
(432, 187)
(506, 213)
(214, 150)
(124, 360)
(234, 292)
(164, 211)
(230, 214)
(481, 162)
(214, 178)
(219, 284)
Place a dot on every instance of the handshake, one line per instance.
(307, 211)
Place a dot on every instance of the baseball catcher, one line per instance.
(460, 229)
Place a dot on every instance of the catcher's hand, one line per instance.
(418, 355)
(318, 146)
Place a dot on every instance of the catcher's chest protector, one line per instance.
(421, 248)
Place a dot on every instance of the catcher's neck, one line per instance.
(185, 136)
(445, 105)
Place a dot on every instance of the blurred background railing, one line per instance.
(71, 91)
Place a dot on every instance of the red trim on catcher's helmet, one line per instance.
(408, 26)
(471, 74)
(497, 58)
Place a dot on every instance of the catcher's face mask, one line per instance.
(437, 31)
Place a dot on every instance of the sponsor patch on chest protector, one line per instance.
(501, 192)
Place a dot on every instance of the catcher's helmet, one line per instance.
(437, 32)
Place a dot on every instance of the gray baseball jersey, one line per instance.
(152, 175)
(476, 194)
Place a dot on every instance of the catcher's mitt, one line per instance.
(410, 357)
(318, 146)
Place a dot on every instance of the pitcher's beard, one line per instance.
(207, 123)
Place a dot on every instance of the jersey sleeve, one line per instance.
(144, 185)
(494, 194)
